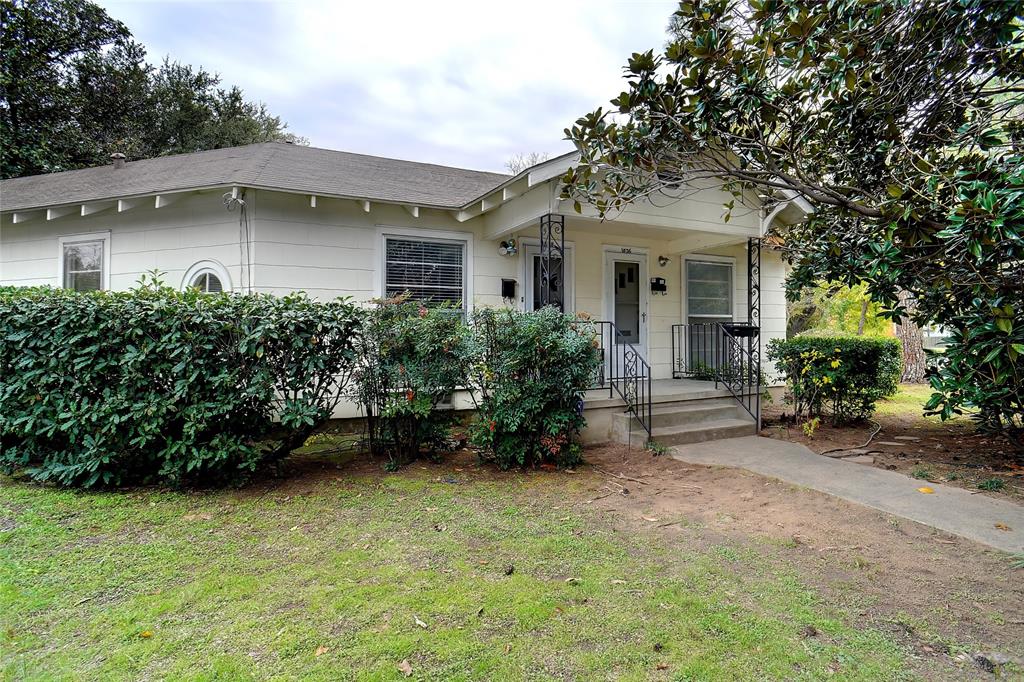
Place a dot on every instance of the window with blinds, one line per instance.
(432, 271)
(708, 291)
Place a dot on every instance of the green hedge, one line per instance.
(160, 385)
(842, 376)
(413, 359)
(530, 373)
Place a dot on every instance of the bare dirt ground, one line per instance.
(957, 606)
(947, 598)
(952, 452)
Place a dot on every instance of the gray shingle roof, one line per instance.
(269, 165)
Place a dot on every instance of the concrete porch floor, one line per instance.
(662, 391)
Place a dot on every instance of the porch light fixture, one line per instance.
(664, 260)
(508, 248)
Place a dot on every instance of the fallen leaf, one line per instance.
(1002, 526)
(573, 581)
(508, 647)
(618, 582)
(196, 517)
(405, 668)
(662, 666)
(320, 651)
(926, 490)
(146, 634)
(652, 519)
(420, 622)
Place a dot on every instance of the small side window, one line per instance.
(84, 261)
(207, 282)
(208, 276)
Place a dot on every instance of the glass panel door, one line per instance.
(625, 305)
(626, 288)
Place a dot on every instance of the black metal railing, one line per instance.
(623, 371)
(728, 353)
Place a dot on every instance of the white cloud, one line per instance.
(456, 82)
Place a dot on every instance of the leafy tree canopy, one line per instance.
(75, 87)
(898, 120)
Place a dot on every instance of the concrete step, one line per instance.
(687, 412)
(714, 429)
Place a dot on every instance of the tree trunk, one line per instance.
(909, 335)
(863, 316)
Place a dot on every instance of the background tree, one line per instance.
(898, 120)
(520, 162)
(75, 87)
(837, 308)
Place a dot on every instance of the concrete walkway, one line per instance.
(954, 510)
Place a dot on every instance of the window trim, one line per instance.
(703, 258)
(214, 268)
(67, 239)
(425, 234)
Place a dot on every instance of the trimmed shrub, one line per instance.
(842, 376)
(530, 372)
(413, 358)
(157, 385)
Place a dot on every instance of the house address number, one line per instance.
(626, 249)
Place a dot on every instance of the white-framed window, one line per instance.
(709, 290)
(209, 276)
(435, 270)
(83, 261)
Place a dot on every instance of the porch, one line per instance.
(681, 358)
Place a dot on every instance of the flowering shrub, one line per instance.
(841, 376)
(161, 385)
(530, 371)
(413, 358)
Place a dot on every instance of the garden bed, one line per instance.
(951, 452)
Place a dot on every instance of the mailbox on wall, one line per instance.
(659, 286)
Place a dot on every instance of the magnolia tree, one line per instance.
(899, 121)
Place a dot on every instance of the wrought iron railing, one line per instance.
(726, 353)
(623, 371)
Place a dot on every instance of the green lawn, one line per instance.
(908, 401)
(325, 578)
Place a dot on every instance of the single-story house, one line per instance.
(660, 277)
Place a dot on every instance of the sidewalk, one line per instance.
(953, 510)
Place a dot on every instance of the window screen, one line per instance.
(83, 266)
(708, 291)
(433, 272)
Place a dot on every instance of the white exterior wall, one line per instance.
(169, 239)
(334, 249)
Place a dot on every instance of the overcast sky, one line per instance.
(458, 83)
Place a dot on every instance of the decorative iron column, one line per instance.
(552, 260)
(754, 318)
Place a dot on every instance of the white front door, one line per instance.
(625, 302)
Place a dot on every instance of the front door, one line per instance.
(626, 294)
(561, 286)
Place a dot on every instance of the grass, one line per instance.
(908, 401)
(326, 579)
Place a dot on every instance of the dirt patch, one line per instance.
(946, 597)
(952, 452)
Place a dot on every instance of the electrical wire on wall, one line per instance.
(231, 200)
